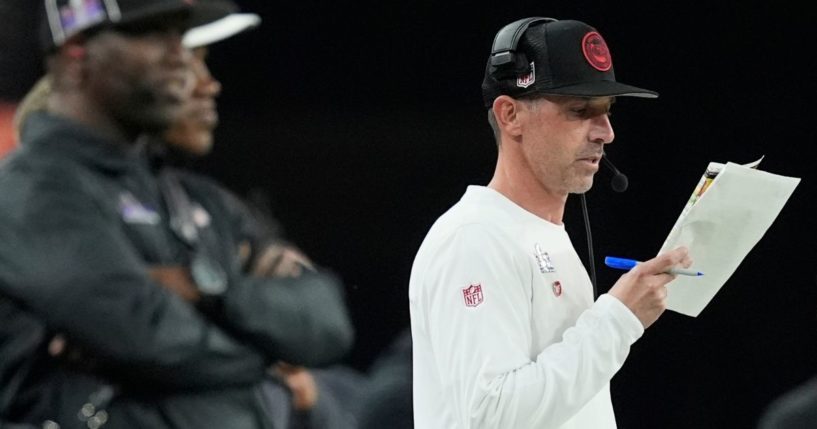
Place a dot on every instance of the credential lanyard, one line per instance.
(208, 275)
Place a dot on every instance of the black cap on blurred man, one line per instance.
(67, 18)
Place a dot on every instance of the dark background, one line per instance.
(363, 121)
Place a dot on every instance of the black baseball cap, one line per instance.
(554, 57)
(63, 19)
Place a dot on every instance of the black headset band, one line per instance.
(507, 39)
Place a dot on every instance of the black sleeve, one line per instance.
(302, 321)
(794, 409)
(252, 223)
(69, 263)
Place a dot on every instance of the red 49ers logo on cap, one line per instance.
(596, 52)
(472, 295)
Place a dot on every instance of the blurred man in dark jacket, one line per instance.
(121, 304)
(299, 397)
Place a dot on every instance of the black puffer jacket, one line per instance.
(81, 221)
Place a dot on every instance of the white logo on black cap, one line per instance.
(528, 79)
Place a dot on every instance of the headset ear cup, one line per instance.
(521, 64)
(517, 67)
(505, 44)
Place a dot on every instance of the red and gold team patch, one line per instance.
(596, 52)
(557, 288)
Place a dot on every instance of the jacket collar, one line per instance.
(70, 139)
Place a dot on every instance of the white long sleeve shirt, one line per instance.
(505, 331)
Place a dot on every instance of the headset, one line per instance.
(505, 61)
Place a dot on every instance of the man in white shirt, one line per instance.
(505, 330)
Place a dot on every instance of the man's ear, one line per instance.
(74, 48)
(75, 51)
(508, 115)
(71, 59)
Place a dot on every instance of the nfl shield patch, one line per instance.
(528, 79)
(472, 295)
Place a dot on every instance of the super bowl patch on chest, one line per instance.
(543, 260)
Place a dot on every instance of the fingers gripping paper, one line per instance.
(727, 215)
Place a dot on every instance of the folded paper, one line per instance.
(729, 212)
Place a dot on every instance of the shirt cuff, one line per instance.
(630, 325)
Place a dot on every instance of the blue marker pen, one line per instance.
(628, 264)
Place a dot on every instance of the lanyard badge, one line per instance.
(207, 273)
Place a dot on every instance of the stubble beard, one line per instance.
(583, 186)
(149, 112)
